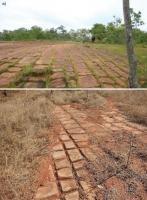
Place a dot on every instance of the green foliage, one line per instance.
(136, 18)
(35, 33)
(83, 34)
(113, 32)
(99, 31)
(66, 78)
(140, 37)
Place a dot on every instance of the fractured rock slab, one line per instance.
(76, 131)
(58, 147)
(65, 173)
(64, 137)
(75, 155)
(47, 192)
(69, 145)
(79, 164)
(72, 196)
(80, 137)
(68, 185)
(62, 164)
(59, 155)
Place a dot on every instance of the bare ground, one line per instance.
(59, 65)
(93, 150)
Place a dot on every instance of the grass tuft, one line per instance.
(67, 78)
(28, 70)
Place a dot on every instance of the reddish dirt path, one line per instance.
(72, 65)
(88, 157)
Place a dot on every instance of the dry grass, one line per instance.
(86, 98)
(132, 103)
(25, 120)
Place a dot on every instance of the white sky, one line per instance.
(70, 13)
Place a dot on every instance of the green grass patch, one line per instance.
(46, 81)
(92, 70)
(69, 79)
(76, 76)
(20, 76)
(28, 70)
(66, 78)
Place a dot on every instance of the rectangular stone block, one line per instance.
(80, 137)
(64, 137)
(65, 173)
(76, 131)
(68, 185)
(62, 163)
(57, 155)
(58, 147)
(75, 155)
(69, 145)
(72, 196)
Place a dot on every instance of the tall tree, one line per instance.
(98, 30)
(133, 82)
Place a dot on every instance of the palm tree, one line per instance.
(133, 82)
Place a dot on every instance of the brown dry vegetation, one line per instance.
(84, 98)
(25, 120)
(132, 103)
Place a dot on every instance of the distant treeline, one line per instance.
(113, 32)
(36, 33)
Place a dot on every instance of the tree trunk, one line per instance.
(133, 82)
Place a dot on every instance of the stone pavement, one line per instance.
(70, 179)
(60, 65)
